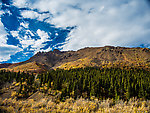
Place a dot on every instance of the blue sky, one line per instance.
(29, 26)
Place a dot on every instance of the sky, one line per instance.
(30, 26)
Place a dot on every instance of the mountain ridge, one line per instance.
(107, 56)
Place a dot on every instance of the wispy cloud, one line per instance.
(5, 50)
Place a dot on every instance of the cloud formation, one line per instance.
(5, 49)
(24, 32)
(34, 15)
(101, 22)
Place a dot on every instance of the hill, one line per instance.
(5, 65)
(107, 56)
(87, 89)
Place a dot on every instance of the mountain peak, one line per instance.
(108, 56)
(56, 51)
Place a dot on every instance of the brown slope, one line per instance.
(26, 67)
(107, 56)
(5, 65)
(111, 56)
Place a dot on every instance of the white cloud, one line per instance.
(38, 44)
(29, 14)
(30, 32)
(7, 51)
(3, 34)
(99, 23)
(24, 24)
(1, 13)
(14, 33)
(21, 3)
(43, 35)
(26, 41)
(34, 15)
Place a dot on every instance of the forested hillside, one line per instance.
(86, 82)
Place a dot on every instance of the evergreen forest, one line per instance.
(102, 83)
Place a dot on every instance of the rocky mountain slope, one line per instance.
(107, 56)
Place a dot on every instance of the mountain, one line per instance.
(25, 30)
(96, 86)
(107, 56)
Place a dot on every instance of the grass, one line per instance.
(42, 103)
(28, 67)
(75, 106)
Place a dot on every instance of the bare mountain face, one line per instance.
(107, 56)
(5, 65)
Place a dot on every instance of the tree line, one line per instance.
(86, 82)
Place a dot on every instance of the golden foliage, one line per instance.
(75, 106)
